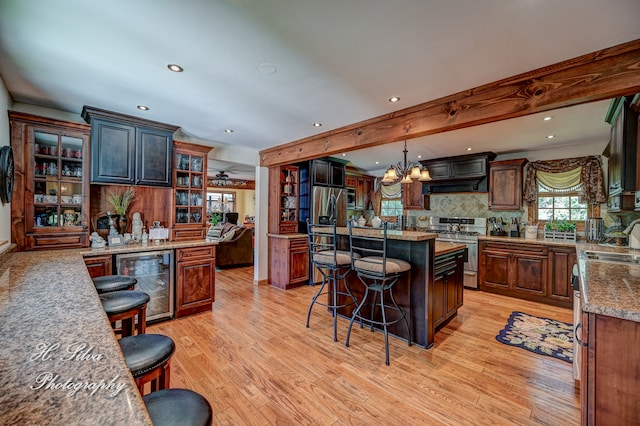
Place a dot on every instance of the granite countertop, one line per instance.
(392, 234)
(60, 362)
(611, 289)
(522, 240)
(444, 247)
(135, 248)
(288, 236)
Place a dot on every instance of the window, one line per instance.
(391, 207)
(561, 206)
(221, 202)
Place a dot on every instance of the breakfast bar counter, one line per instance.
(60, 362)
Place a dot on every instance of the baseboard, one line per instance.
(261, 282)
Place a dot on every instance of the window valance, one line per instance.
(591, 177)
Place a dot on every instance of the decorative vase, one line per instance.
(123, 224)
(376, 222)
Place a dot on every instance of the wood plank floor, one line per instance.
(257, 363)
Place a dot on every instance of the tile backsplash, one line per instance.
(465, 205)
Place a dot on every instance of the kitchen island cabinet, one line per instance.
(448, 279)
(289, 260)
(414, 290)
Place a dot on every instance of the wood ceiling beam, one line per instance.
(604, 74)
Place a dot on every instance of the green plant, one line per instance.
(216, 218)
(120, 200)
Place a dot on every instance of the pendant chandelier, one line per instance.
(406, 172)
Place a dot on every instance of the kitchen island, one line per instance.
(414, 291)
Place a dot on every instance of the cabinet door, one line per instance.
(438, 310)
(529, 273)
(337, 174)
(459, 278)
(360, 193)
(298, 263)
(475, 167)
(439, 170)
(194, 286)
(505, 185)
(368, 192)
(351, 181)
(452, 292)
(154, 157)
(562, 261)
(320, 175)
(413, 196)
(98, 266)
(113, 148)
(494, 268)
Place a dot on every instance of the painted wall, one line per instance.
(6, 103)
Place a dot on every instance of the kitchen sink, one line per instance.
(604, 256)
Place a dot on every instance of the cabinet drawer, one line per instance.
(188, 234)
(532, 249)
(193, 253)
(57, 241)
(299, 243)
(288, 228)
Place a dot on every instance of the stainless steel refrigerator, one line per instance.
(329, 204)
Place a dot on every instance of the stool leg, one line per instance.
(334, 285)
(142, 320)
(384, 326)
(313, 301)
(404, 316)
(127, 327)
(356, 313)
(165, 376)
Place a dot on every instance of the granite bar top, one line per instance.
(136, 248)
(392, 234)
(611, 289)
(60, 362)
(288, 236)
(444, 247)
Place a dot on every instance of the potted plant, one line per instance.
(120, 201)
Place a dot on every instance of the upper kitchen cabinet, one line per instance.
(327, 172)
(359, 191)
(129, 150)
(463, 173)
(50, 207)
(623, 146)
(505, 184)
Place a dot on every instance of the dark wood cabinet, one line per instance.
(537, 272)
(129, 150)
(50, 206)
(99, 266)
(413, 198)
(189, 215)
(362, 187)
(510, 268)
(561, 263)
(610, 378)
(195, 279)
(327, 173)
(288, 261)
(623, 149)
(447, 291)
(472, 166)
(505, 184)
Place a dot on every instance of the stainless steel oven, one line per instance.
(462, 231)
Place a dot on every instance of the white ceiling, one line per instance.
(336, 62)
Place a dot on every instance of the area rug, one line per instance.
(540, 335)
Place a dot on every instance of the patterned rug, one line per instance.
(540, 335)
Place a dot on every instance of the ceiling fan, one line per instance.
(222, 179)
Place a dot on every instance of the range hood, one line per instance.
(464, 173)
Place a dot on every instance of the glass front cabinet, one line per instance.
(50, 205)
(189, 215)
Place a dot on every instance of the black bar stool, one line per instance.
(109, 283)
(379, 274)
(178, 407)
(148, 356)
(334, 265)
(125, 305)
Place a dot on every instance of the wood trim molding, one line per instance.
(603, 74)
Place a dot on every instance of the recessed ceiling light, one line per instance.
(317, 124)
(551, 136)
(394, 99)
(267, 68)
(344, 155)
(469, 149)
(547, 118)
(228, 130)
(377, 162)
(143, 108)
(175, 67)
(419, 155)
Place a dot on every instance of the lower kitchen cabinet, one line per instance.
(610, 371)
(195, 279)
(99, 266)
(447, 292)
(288, 260)
(537, 272)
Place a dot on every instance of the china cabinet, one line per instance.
(288, 199)
(50, 206)
(188, 215)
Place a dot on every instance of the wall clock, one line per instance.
(6, 174)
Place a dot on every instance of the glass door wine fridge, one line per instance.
(154, 272)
